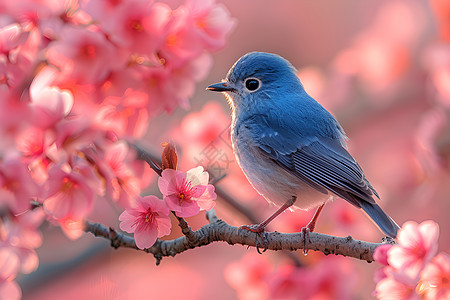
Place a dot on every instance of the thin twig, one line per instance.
(148, 158)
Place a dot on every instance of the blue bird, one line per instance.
(291, 149)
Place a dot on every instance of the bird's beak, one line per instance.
(220, 87)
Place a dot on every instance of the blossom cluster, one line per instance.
(254, 277)
(412, 270)
(184, 193)
(78, 80)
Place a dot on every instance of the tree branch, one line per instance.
(219, 231)
(148, 158)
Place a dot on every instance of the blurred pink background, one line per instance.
(374, 64)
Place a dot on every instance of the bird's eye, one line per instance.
(252, 84)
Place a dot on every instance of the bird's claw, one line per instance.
(259, 230)
(305, 234)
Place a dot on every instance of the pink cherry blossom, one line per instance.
(126, 115)
(76, 133)
(417, 244)
(136, 25)
(391, 288)
(17, 187)
(170, 86)
(49, 104)
(333, 277)
(70, 191)
(84, 55)
(9, 289)
(249, 277)
(32, 142)
(186, 193)
(212, 22)
(381, 254)
(18, 238)
(148, 220)
(9, 263)
(435, 278)
(291, 282)
(11, 37)
(202, 127)
(404, 262)
(122, 184)
(196, 26)
(254, 278)
(14, 258)
(12, 109)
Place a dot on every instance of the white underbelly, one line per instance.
(276, 184)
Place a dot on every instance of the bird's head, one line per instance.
(257, 77)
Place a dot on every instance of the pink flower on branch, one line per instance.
(126, 115)
(136, 25)
(71, 191)
(394, 288)
(49, 104)
(17, 187)
(114, 165)
(84, 55)
(187, 193)
(435, 278)
(196, 26)
(404, 264)
(148, 220)
(417, 244)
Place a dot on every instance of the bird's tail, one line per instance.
(386, 224)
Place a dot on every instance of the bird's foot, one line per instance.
(305, 234)
(259, 230)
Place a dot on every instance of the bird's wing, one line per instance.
(320, 161)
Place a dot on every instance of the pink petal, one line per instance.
(161, 208)
(11, 37)
(397, 256)
(197, 177)
(197, 191)
(188, 209)
(82, 200)
(29, 261)
(164, 225)
(145, 236)
(429, 231)
(171, 181)
(206, 204)
(136, 212)
(128, 222)
(380, 254)
(409, 235)
(9, 263)
(10, 290)
(389, 288)
(58, 205)
(206, 200)
(154, 203)
(172, 202)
